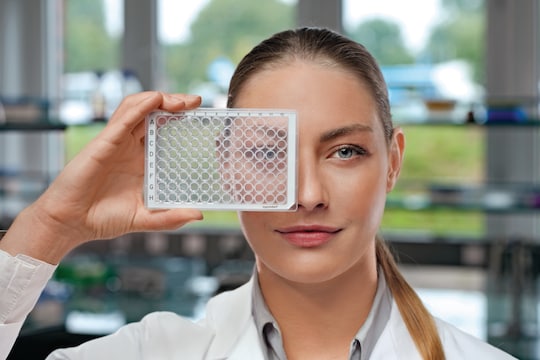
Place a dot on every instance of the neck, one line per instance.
(325, 315)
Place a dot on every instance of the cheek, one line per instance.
(364, 182)
(253, 225)
(360, 193)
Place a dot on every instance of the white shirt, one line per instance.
(22, 280)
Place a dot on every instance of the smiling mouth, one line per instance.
(308, 236)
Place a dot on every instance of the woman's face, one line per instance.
(345, 169)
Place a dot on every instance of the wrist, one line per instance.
(38, 237)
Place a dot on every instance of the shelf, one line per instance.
(416, 204)
(454, 123)
(30, 127)
(506, 112)
(487, 198)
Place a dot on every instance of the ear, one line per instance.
(395, 158)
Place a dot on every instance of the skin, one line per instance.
(98, 194)
(317, 266)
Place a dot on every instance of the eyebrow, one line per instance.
(346, 130)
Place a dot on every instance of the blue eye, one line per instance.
(347, 152)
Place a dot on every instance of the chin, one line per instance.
(312, 272)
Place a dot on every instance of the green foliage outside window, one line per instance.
(229, 28)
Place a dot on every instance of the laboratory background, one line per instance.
(463, 78)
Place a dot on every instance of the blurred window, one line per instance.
(434, 66)
(203, 40)
(93, 83)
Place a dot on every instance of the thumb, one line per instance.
(172, 219)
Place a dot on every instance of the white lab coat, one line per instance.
(228, 332)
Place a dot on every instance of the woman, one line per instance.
(325, 286)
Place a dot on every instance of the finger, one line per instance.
(154, 220)
(134, 107)
(193, 101)
(171, 103)
(129, 114)
(178, 102)
(139, 132)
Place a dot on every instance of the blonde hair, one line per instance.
(334, 50)
(417, 318)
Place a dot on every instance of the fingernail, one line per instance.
(191, 97)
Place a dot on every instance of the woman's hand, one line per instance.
(99, 193)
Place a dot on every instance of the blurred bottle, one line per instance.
(2, 114)
(99, 101)
(130, 83)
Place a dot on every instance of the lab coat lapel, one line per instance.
(235, 332)
(248, 347)
(395, 342)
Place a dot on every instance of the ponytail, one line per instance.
(418, 320)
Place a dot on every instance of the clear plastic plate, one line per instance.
(221, 159)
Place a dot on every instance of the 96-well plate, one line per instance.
(221, 159)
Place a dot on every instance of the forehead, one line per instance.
(323, 94)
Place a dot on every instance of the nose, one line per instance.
(312, 192)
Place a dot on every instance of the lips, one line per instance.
(308, 236)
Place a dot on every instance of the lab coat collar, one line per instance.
(235, 333)
(395, 340)
(232, 334)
